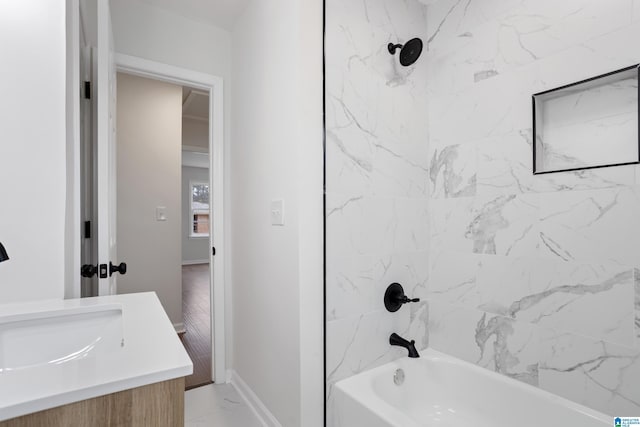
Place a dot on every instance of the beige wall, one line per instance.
(149, 126)
(195, 133)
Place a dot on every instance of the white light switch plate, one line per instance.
(161, 213)
(277, 212)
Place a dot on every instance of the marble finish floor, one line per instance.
(196, 313)
(217, 405)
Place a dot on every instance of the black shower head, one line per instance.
(3, 253)
(409, 52)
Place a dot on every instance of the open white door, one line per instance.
(106, 154)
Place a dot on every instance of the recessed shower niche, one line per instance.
(588, 124)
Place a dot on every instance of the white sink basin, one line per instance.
(59, 336)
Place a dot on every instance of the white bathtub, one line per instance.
(440, 390)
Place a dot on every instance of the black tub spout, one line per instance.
(396, 339)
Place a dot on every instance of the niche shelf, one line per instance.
(589, 124)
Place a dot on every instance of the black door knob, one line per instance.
(122, 268)
(88, 270)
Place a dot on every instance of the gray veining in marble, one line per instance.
(578, 289)
(452, 171)
(486, 224)
(429, 183)
(594, 373)
(504, 360)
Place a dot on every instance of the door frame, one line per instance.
(214, 86)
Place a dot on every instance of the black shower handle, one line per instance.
(394, 297)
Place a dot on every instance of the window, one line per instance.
(199, 209)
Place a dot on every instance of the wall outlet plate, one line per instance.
(161, 213)
(277, 212)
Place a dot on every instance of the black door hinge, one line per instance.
(87, 229)
(213, 251)
(87, 90)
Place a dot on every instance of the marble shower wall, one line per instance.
(377, 182)
(535, 277)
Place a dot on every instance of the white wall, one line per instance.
(194, 249)
(149, 175)
(277, 154)
(32, 157)
(152, 33)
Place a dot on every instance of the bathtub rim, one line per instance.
(365, 396)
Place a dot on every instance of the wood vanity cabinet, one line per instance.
(154, 405)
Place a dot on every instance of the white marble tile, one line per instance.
(410, 225)
(350, 286)
(418, 328)
(517, 35)
(360, 225)
(636, 277)
(481, 231)
(505, 164)
(486, 110)
(360, 343)
(504, 225)
(346, 231)
(374, 106)
(494, 342)
(546, 26)
(349, 164)
(588, 179)
(410, 269)
(400, 170)
(452, 21)
(612, 50)
(453, 278)
(448, 222)
(217, 405)
(595, 225)
(593, 300)
(502, 281)
(453, 171)
(594, 373)
(505, 167)
(452, 330)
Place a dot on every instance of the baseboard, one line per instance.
(194, 262)
(179, 327)
(264, 415)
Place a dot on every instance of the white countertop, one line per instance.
(152, 353)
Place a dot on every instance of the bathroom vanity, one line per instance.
(112, 360)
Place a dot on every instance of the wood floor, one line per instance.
(197, 321)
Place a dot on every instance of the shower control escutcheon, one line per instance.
(394, 297)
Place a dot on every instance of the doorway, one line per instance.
(196, 230)
(103, 64)
(163, 206)
(212, 85)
